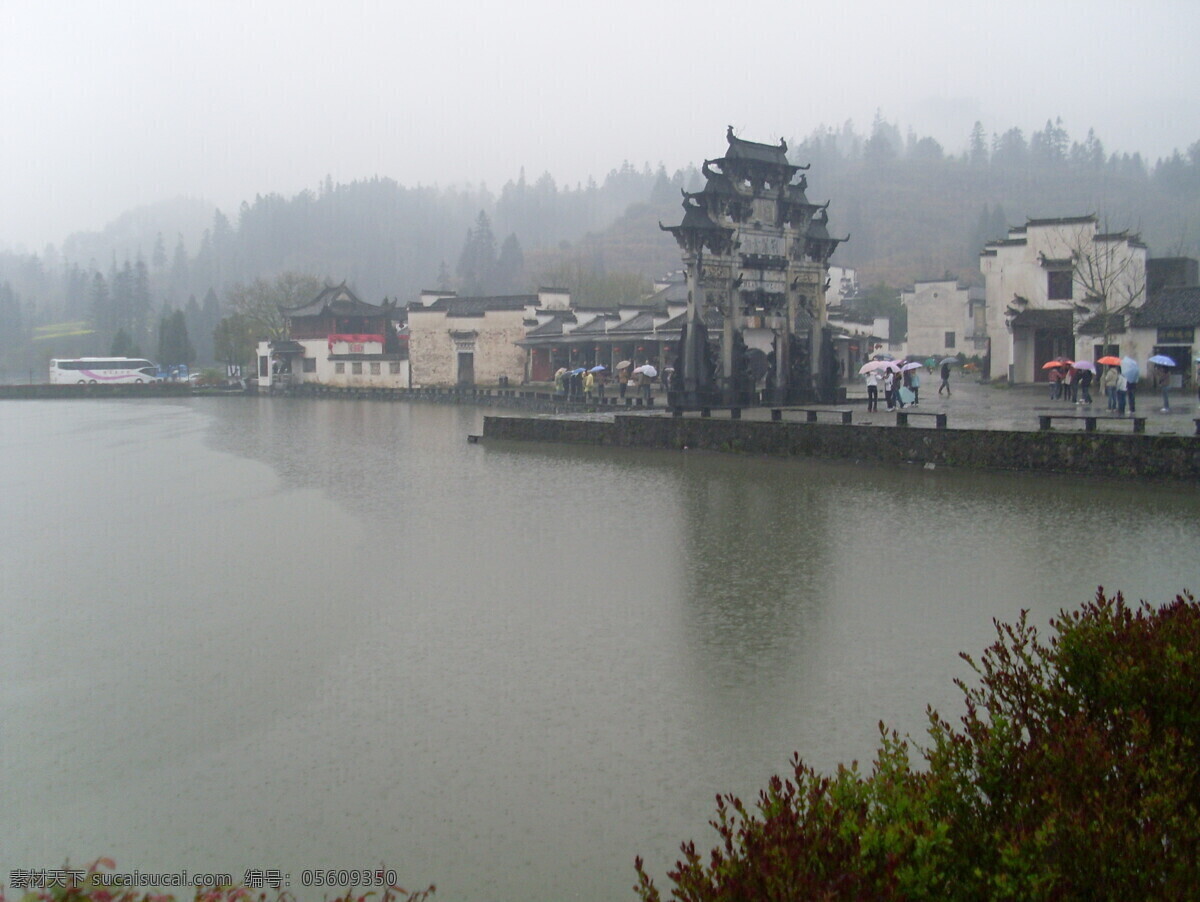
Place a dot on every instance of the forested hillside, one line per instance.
(912, 211)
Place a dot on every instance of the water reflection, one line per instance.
(337, 631)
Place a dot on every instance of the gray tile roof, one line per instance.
(479, 306)
(1043, 319)
(597, 326)
(337, 300)
(642, 322)
(553, 326)
(1170, 307)
(1095, 325)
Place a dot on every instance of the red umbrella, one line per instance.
(1110, 361)
(1054, 364)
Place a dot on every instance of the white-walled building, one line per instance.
(1054, 287)
(945, 319)
(473, 341)
(339, 341)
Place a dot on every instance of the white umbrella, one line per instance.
(622, 364)
(1160, 360)
(1085, 365)
(871, 366)
(647, 369)
(915, 365)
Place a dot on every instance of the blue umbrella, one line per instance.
(1130, 370)
(598, 369)
(1160, 360)
(578, 371)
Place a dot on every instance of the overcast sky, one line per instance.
(110, 104)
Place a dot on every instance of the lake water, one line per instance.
(292, 634)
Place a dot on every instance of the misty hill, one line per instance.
(912, 211)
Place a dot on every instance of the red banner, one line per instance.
(354, 339)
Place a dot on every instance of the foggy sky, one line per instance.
(110, 104)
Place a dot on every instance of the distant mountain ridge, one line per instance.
(911, 212)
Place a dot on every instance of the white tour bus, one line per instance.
(102, 369)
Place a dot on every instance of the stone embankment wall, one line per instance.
(125, 390)
(1171, 457)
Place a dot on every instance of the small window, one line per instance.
(356, 368)
(374, 369)
(949, 339)
(339, 368)
(394, 367)
(310, 364)
(1059, 284)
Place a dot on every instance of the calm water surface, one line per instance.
(300, 634)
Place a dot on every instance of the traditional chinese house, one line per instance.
(339, 341)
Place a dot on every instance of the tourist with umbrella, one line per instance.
(598, 372)
(1162, 378)
(1084, 371)
(1056, 377)
(646, 374)
(1111, 375)
(946, 364)
(872, 376)
(622, 377)
(911, 372)
(1131, 372)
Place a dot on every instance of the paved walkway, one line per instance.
(982, 406)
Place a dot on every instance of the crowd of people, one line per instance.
(1072, 383)
(901, 384)
(589, 385)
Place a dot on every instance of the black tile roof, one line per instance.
(553, 326)
(1061, 220)
(598, 326)
(642, 322)
(1095, 325)
(1170, 307)
(479, 306)
(1043, 319)
(775, 154)
(337, 300)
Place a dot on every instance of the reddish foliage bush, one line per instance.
(1075, 773)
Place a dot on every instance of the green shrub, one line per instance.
(1074, 773)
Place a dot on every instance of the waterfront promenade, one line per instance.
(983, 406)
(972, 405)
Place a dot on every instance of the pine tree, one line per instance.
(140, 298)
(174, 348)
(159, 260)
(179, 273)
(124, 346)
(104, 318)
(977, 153)
(11, 331)
(477, 263)
(510, 267)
